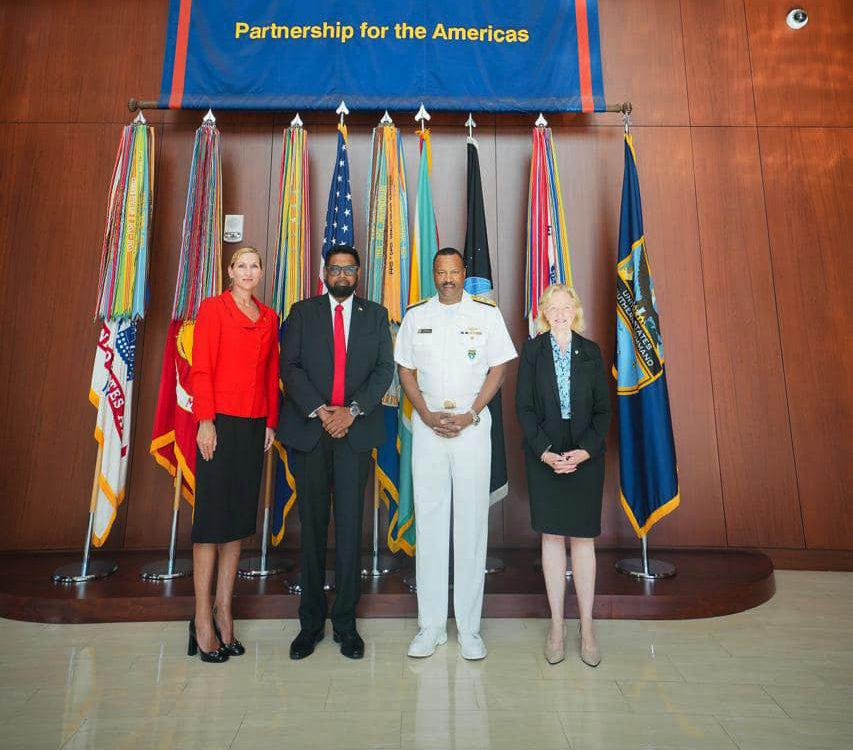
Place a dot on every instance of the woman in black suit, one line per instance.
(563, 404)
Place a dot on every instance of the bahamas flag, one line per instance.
(394, 458)
(647, 466)
(425, 240)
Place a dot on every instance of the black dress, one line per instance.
(563, 504)
(228, 486)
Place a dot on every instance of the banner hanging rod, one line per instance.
(135, 105)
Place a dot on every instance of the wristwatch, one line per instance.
(475, 418)
(354, 409)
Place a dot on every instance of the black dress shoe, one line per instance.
(351, 644)
(235, 648)
(211, 657)
(304, 643)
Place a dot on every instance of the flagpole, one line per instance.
(265, 565)
(166, 570)
(88, 570)
(644, 568)
(376, 565)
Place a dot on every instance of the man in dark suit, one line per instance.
(336, 365)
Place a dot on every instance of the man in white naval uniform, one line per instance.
(452, 351)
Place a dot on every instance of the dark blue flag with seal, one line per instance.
(647, 467)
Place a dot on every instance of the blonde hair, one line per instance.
(240, 252)
(578, 324)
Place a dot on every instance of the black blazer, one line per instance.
(537, 400)
(307, 371)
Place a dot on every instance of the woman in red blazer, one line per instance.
(234, 382)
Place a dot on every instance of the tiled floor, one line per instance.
(779, 676)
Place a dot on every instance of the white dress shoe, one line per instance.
(471, 646)
(426, 641)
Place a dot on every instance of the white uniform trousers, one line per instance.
(461, 466)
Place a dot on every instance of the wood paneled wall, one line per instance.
(744, 131)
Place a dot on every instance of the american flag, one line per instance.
(339, 217)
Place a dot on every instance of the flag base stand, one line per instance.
(90, 570)
(329, 585)
(254, 566)
(376, 565)
(538, 566)
(265, 565)
(644, 568)
(495, 565)
(167, 570)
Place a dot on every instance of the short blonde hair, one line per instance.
(248, 250)
(578, 324)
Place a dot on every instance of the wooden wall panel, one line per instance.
(809, 187)
(716, 50)
(643, 59)
(51, 224)
(801, 77)
(754, 440)
(79, 60)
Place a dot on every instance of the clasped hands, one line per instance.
(206, 438)
(445, 424)
(336, 420)
(567, 462)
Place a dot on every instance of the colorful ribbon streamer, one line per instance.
(547, 260)
(200, 263)
(123, 275)
(293, 261)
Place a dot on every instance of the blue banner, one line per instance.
(497, 56)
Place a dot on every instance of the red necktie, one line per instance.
(340, 358)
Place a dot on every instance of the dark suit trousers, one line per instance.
(332, 469)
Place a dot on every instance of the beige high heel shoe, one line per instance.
(555, 654)
(589, 656)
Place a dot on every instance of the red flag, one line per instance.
(173, 441)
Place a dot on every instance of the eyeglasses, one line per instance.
(338, 270)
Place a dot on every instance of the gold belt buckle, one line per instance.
(448, 404)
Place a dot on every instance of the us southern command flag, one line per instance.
(647, 467)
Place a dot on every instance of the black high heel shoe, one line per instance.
(235, 648)
(213, 657)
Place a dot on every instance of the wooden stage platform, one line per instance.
(708, 583)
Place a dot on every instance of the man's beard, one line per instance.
(342, 289)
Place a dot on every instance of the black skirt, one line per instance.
(227, 486)
(565, 504)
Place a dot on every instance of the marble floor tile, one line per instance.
(833, 704)
(319, 730)
(787, 734)
(612, 731)
(476, 730)
(711, 699)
